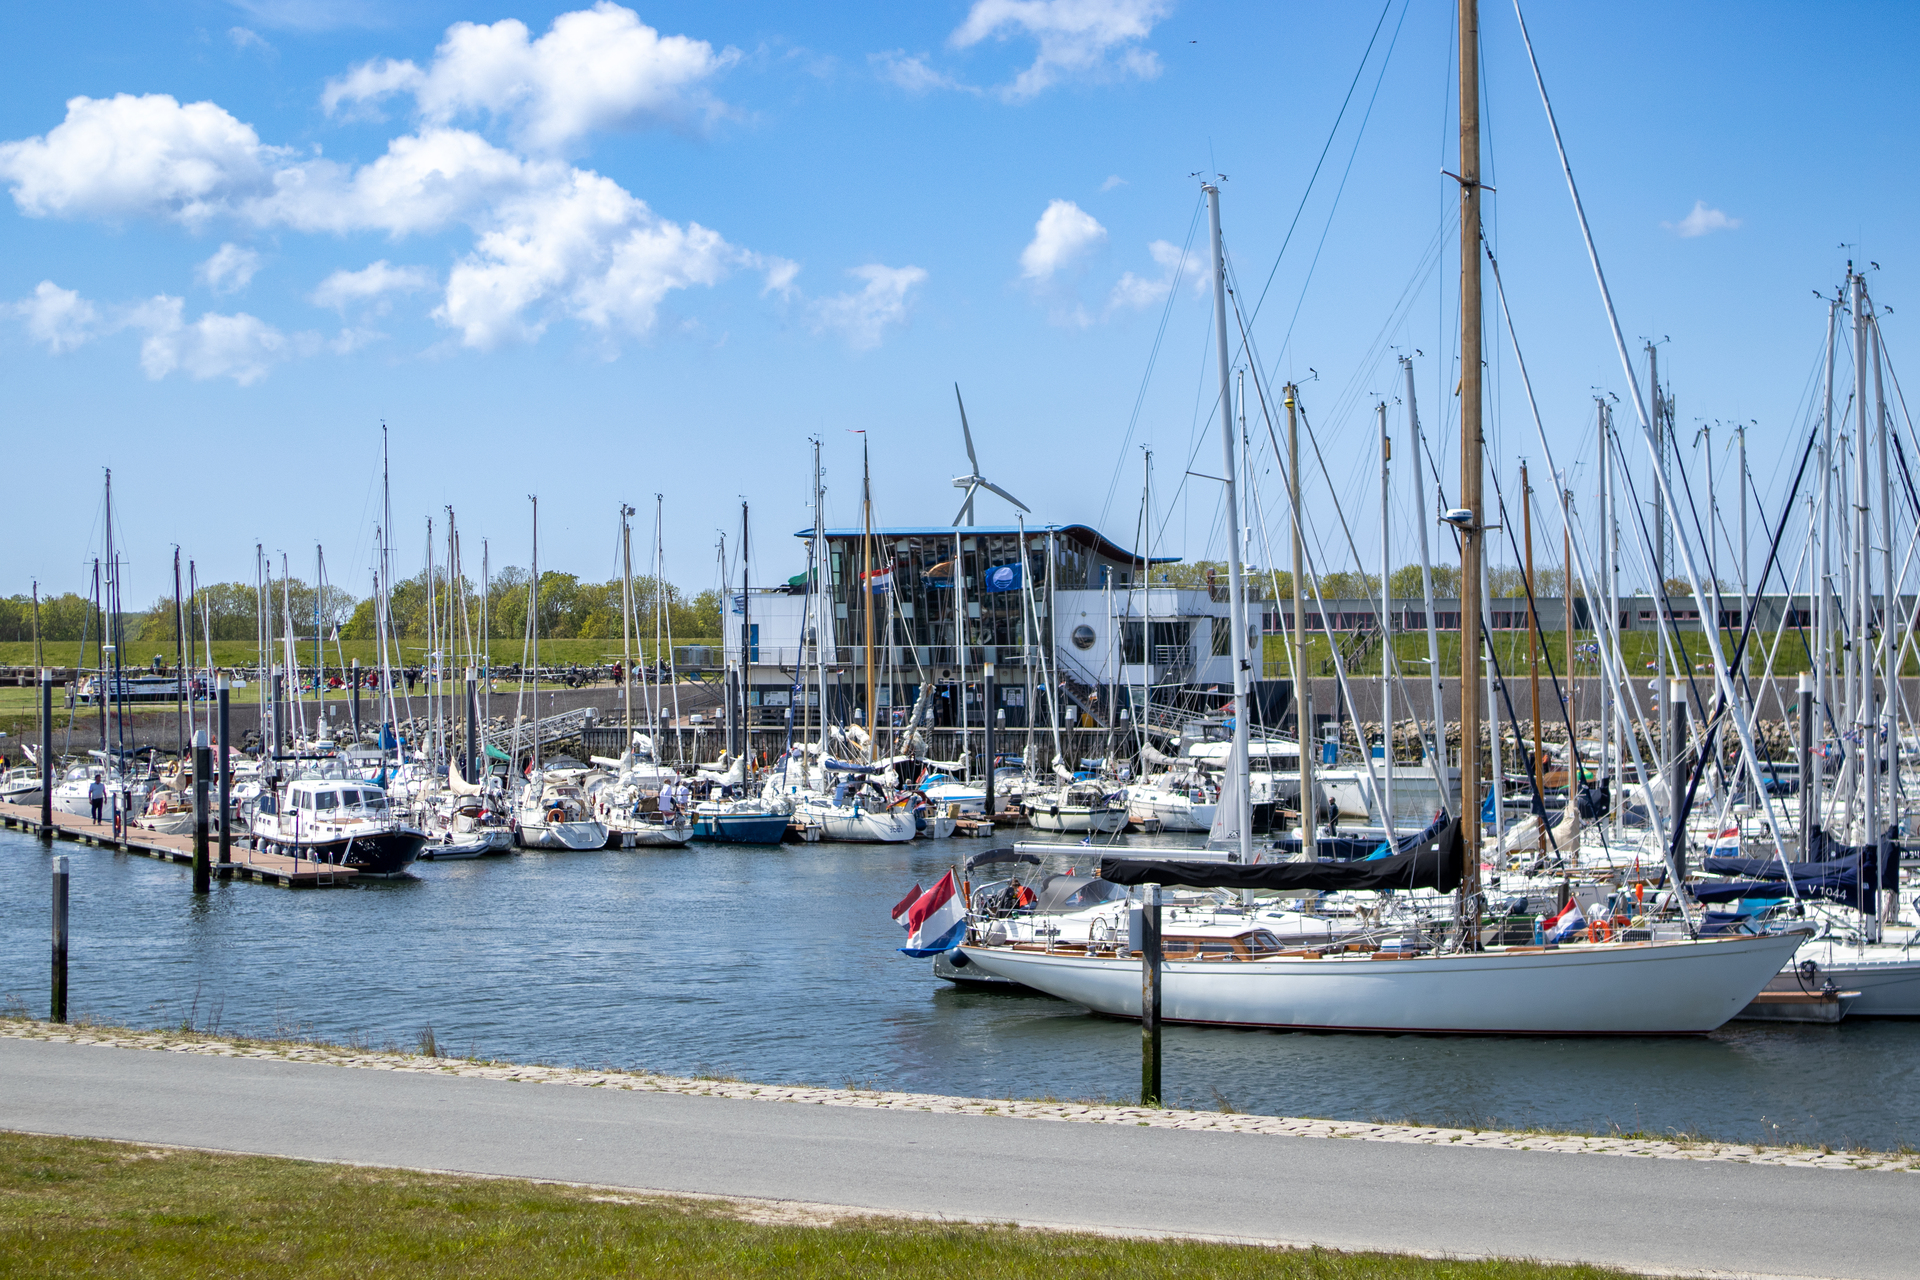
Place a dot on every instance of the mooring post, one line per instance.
(58, 1012)
(46, 760)
(202, 766)
(226, 780)
(1150, 998)
(1805, 787)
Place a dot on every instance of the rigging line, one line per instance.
(1722, 676)
(1153, 355)
(1533, 609)
(1340, 190)
(1325, 147)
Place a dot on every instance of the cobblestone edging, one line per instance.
(1084, 1113)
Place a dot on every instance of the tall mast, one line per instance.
(1302, 693)
(179, 665)
(746, 643)
(1386, 624)
(1470, 465)
(1533, 628)
(533, 626)
(866, 589)
(1746, 601)
(1889, 648)
(1866, 715)
(1606, 591)
(1237, 605)
(1823, 603)
(824, 631)
(626, 617)
(1426, 579)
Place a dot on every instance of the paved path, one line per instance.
(1639, 1214)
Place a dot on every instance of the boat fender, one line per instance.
(960, 960)
(919, 823)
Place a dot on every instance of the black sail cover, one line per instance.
(1433, 865)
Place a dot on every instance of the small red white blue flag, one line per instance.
(937, 921)
(1725, 842)
(1564, 923)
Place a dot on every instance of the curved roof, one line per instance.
(1079, 532)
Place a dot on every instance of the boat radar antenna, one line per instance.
(973, 480)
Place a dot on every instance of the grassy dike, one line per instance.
(72, 1207)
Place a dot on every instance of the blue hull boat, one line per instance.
(740, 828)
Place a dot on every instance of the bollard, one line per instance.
(1150, 959)
(46, 755)
(58, 1012)
(202, 765)
(226, 781)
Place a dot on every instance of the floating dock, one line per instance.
(261, 868)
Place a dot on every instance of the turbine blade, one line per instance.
(1009, 497)
(974, 461)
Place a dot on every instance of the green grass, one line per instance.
(237, 653)
(72, 1207)
(1510, 648)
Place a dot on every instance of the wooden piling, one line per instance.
(1150, 965)
(58, 1011)
(226, 779)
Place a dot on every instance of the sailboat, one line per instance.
(1648, 985)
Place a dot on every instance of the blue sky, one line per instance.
(604, 253)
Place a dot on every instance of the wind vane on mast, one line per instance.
(974, 480)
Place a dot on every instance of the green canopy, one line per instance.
(495, 753)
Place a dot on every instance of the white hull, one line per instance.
(1661, 988)
(861, 826)
(939, 828)
(1173, 810)
(562, 835)
(652, 835)
(1076, 819)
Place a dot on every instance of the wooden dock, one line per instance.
(261, 868)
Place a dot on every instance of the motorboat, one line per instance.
(334, 818)
(1084, 806)
(749, 821)
(20, 785)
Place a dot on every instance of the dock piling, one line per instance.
(46, 755)
(226, 779)
(202, 765)
(1150, 960)
(58, 1011)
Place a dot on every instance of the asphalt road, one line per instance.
(1637, 1214)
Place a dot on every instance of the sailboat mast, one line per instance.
(1237, 604)
(1302, 691)
(1533, 629)
(1470, 464)
(747, 646)
(1386, 624)
(866, 589)
(824, 631)
(533, 627)
(626, 616)
(1426, 579)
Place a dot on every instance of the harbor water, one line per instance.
(778, 965)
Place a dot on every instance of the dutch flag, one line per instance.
(1726, 842)
(905, 905)
(1563, 925)
(937, 921)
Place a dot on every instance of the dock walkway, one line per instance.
(247, 864)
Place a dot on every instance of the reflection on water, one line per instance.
(778, 965)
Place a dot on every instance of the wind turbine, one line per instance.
(974, 480)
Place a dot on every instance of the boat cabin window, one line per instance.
(326, 800)
(266, 803)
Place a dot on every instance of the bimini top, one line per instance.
(1081, 533)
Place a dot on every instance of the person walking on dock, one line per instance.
(96, 795)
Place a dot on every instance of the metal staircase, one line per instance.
(567, 724)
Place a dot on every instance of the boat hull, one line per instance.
(1659, 988)
(384, 855)
(1888, 982)
(740, 828)
(1172, 811)
(858, 826)
(562, 835)
(1076, 819)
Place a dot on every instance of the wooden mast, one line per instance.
(1470, 464)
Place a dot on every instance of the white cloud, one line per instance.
(1113, 180)
(780, 274)
(60, 318)
(355, 94)
(121, 156)
(239, 346)
(373, 282)
(1085, 39)
(912, 73)
(1134, 293)
(1061, 237)
(862, 317)
(245, 39)
(594, 69)
(588, 249)
(1702, 221)
(229, 269)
